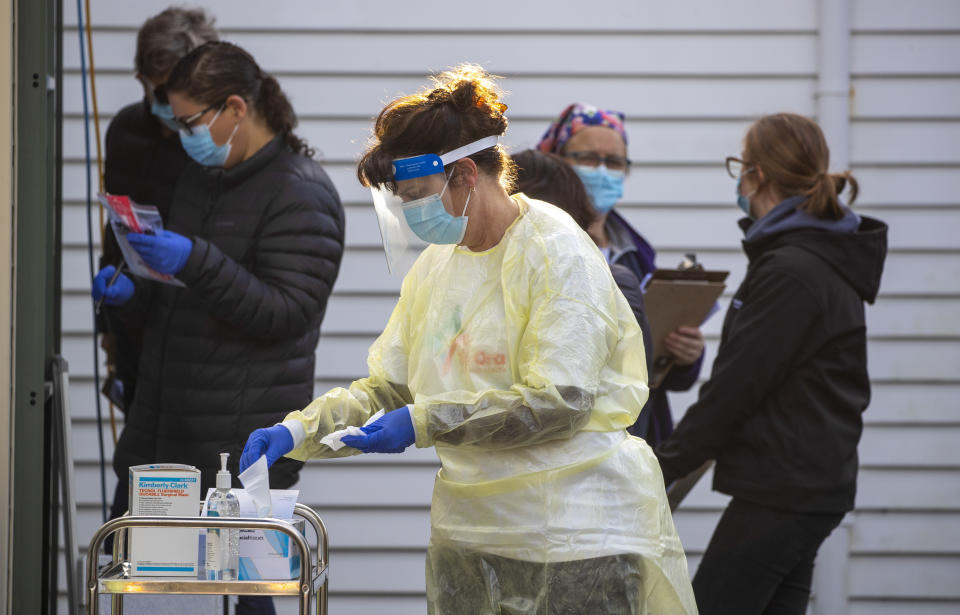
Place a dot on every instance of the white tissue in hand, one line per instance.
(332, 439)
(256, 480)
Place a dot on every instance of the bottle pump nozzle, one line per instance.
(223, 476)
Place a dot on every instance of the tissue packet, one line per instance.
(256, 481)
(332, 439)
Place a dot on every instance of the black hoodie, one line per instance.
(781, 413)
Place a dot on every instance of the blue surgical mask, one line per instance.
(743, 200)
(431, 222)
(201, 147)
(604, 186)
(164, 113)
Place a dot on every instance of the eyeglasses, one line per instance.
(186, 123)
(736, 167)
(593, 159)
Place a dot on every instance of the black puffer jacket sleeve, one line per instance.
(297, 256)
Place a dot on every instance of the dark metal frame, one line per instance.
(38, 156)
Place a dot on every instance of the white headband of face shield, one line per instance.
(468, 149)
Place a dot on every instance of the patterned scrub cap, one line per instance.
(575, 118)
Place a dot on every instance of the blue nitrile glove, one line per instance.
(274, 442)
(166, 252)
(117, 293)
(391, 433)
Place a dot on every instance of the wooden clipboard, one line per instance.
(678, 298)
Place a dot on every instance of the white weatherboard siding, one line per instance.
(691, 76)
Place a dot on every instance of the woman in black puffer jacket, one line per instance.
(255, 234)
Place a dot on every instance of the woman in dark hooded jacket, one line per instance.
(781, 413)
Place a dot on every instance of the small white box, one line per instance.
(164, 490)
(268, 554)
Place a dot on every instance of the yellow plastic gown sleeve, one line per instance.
(340, 407)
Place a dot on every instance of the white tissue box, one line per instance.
(266, 554)
(269, 554)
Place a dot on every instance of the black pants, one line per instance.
(760, 561)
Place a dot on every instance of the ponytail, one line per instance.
(217, 70)
(275, 108)
(823, 199)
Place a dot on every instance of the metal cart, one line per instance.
(117, 580)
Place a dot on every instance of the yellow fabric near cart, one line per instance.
(524, 365)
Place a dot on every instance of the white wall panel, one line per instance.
(898, 16)
(905, 98)
(423, 15)
(623, 53)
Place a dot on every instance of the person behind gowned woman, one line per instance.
(547, 177)
(781, 413)
(594, 142)
(254, 237)
(511, 352)
(144, 160)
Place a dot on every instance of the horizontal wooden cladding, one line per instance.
(561, 54)
(877, 534)
(703, 98)
(367, 314)
(903, 404)
(878, 490)
(652, 142)
(362, 96)
(423, 16)
(345, 357)
(377, 53)
(921, 606)
(905, 98)
(692, 228)
(365, 272)
(905, 54)
(646, 186)
(925, 477)
(883, 448)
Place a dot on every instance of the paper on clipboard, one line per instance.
(678, 298)
(128, 216)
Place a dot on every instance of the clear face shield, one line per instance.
(413, 217)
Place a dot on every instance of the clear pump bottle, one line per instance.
(222, 545)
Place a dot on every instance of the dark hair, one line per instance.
(168, 36)
(548, 177)
(793, 154)
(462, 107)
(213, 72)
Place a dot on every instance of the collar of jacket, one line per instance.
(239, 173)
(645, 251)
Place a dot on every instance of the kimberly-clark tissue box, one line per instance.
(269, 554)
(164, 490)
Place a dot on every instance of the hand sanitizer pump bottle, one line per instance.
(223, 545)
